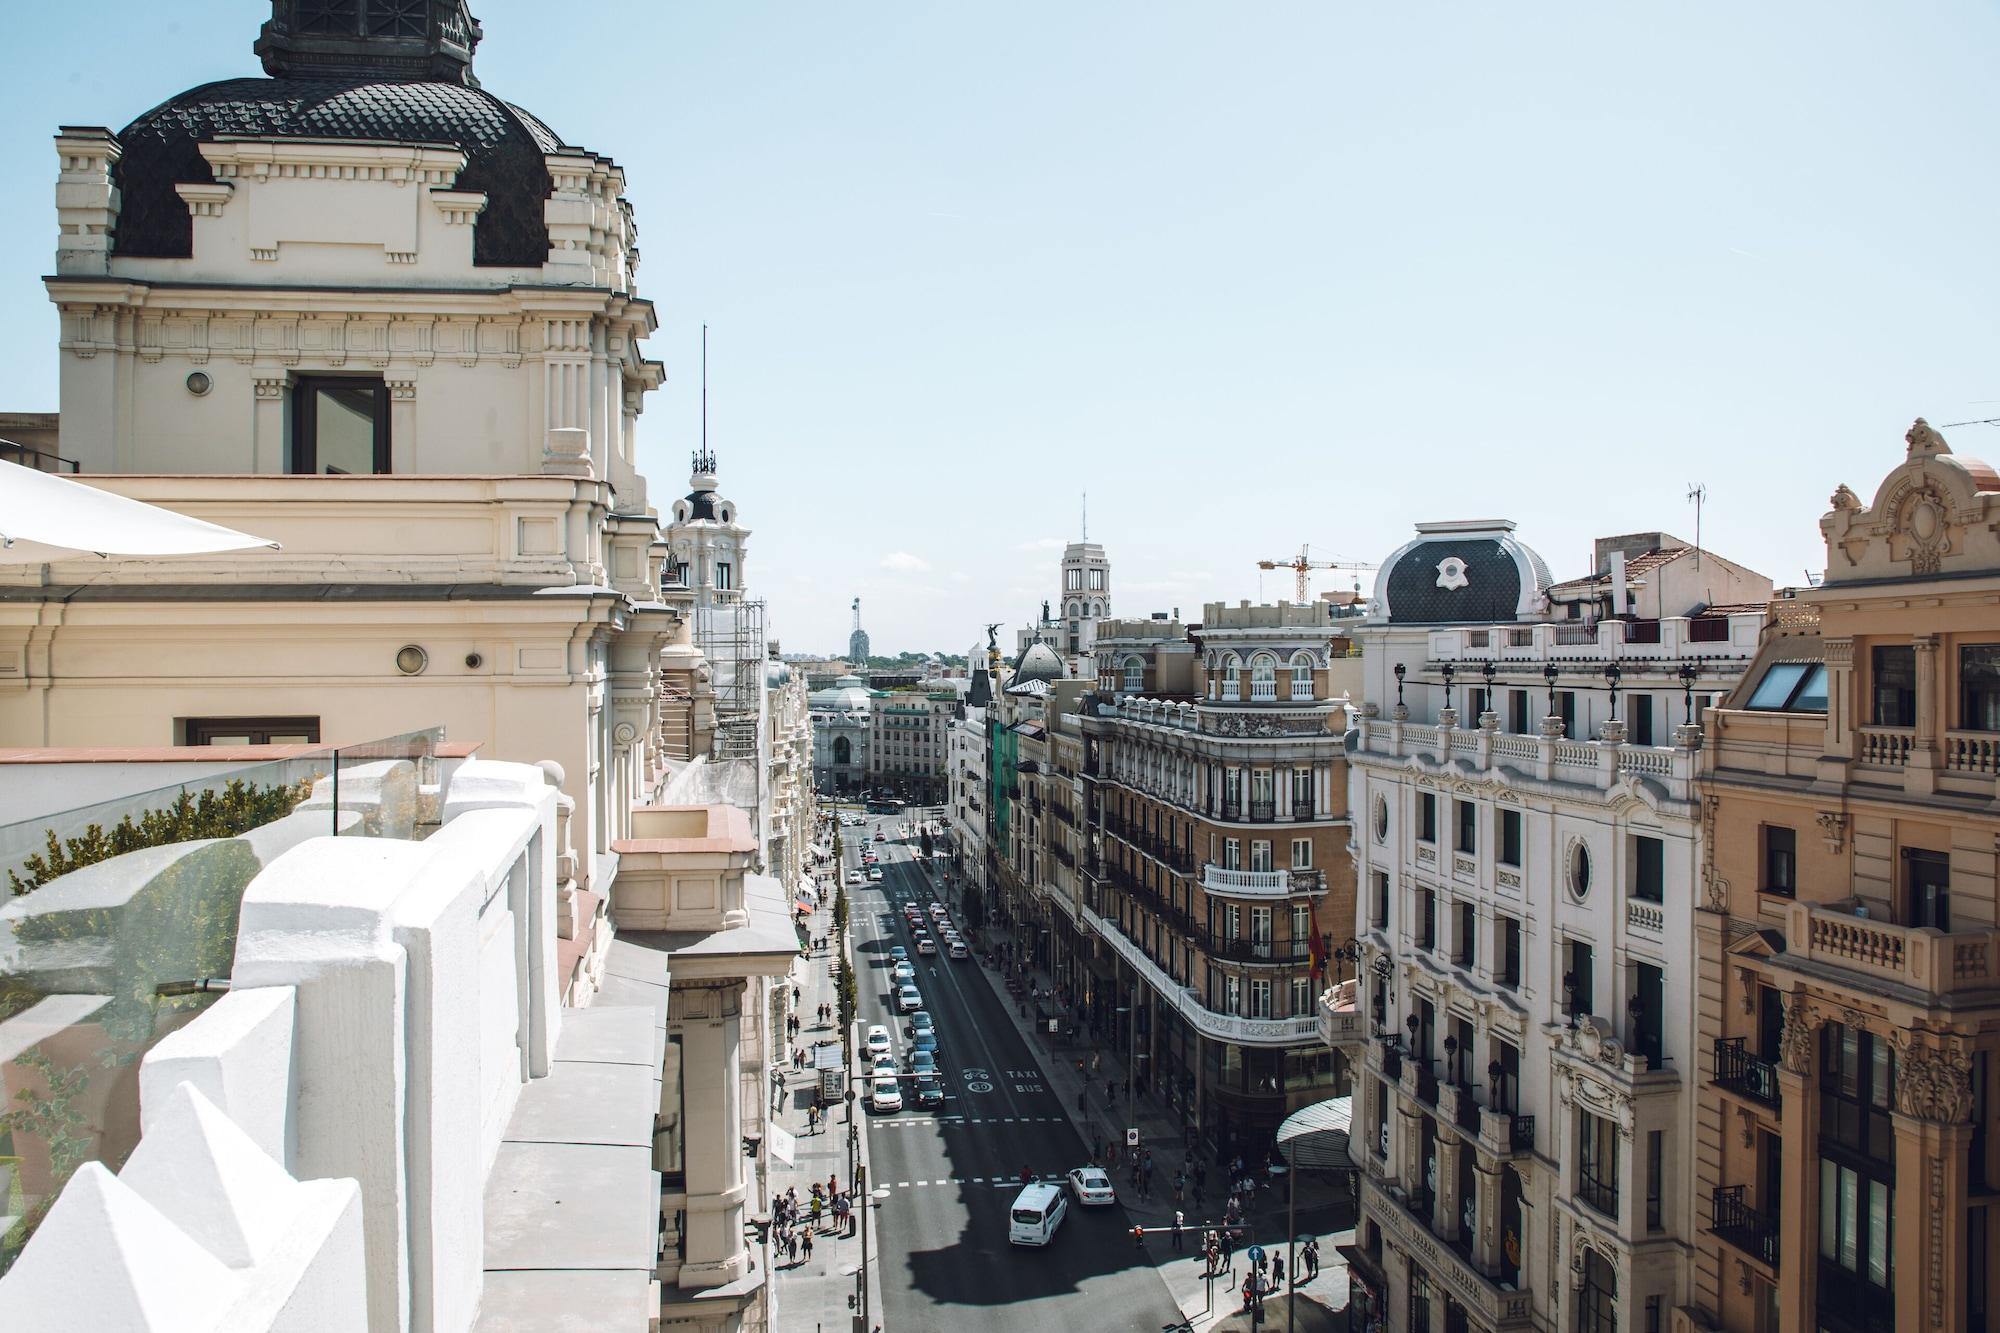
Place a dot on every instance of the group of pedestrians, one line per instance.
(826, 1211)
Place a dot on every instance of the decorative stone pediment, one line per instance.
(1932, 513)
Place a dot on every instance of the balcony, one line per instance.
(1263, 812)
(1408, 1225)
(1302, 811)
(1506, 1135)
(1857, 950)
(1738, 1071)
(1341, 1022)
(1232, 1028)
(1260, 883)
(1241, 950)
(1753, 1232)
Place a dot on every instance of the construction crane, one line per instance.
(1303, 564)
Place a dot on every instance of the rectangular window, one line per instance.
(1979, 687)
(1597, 1163)
(1302, 853)
(1427, 918)
(1301, 923)
(1231, 924)
(1926, 889)
(1639, 716)
(1260, 854)
(1468, 827)
(1510, 838)
(1478, 700)
(340, 426)
(1579, 981)
(250, 731)
(1649, 869)
(1790, 687)
(1892, 671)
(1260, 998)
(1232, 854)
(1465, 951)
(1260, 926)
(1855, 1217)
(1566, 710)
(1232, 994)
(1857, 1089)
(1427, 817)
(1509, 974)
(1781, 860)
(1517, 712)
(1302, 1000)
(1655, 1171)
(725, 579)
(1379, 882)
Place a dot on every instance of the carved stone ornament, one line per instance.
(1451, 574)
(1923, 440)
(1795, 1042)
(1934, 1083)
(1922, 520)
(1833, 827)
(1713, 885)
(1844, 498)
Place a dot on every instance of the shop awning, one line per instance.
(44, 517)
(1314, 1138)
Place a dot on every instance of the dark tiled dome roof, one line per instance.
(1461, 573)
(701, 504)
(503, 146)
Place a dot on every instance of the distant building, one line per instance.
(857, 641)
(842, 735)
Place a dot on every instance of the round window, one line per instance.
(1381, 819)
(1579, 869)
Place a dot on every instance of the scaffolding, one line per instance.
(730, 633)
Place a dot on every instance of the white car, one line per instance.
(875, 874)
(1089, 1186)
(958, 951)
(885, 1094)
(924, 945)
(904, 973)
(877, 1042)
(855, 877)
(884, 1063)
(908, 1000)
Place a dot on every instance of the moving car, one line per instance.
(885, 1094)
(924, 945)
(923, 1062)
(1038, 1210)
(898, 954)
(875, 874)
(920, 1021)
(883, 1063)
(880, 836)
(903, 972)
(907, 999)
(929, 1090)
(855, 877)
(877, 1042)
(925, 1041)
(957, 951)
(1089, 1186)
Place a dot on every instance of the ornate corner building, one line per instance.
(1523, 1035)
(1213, 870)
(1848, 950)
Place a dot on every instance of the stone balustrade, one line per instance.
(1934, 963)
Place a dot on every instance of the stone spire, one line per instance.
(389, 39)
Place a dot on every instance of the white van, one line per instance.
(1038, 1210)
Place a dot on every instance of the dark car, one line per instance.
(929, 1090)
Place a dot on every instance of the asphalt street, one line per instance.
(950, 1174)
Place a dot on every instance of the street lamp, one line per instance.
(1549, 674)
(1613, 673)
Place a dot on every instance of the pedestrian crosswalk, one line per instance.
(970, 1120)
(1015, 1181)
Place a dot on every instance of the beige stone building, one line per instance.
(1848, 994)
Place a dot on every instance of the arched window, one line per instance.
(1076, 608)
(1302, 676)
(843, 750)
(1597, 1303)
(1135, 675)
(1232, 678)
(1264, 677)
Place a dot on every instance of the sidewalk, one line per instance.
(1160, 1129)
(814, 1295)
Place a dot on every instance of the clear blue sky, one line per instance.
(1253, 274)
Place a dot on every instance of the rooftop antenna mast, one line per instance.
(1698, 493)
(1086, 515)
(704, 461)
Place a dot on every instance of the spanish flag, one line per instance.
(1318, 945)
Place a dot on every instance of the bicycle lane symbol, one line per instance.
(977, 1080)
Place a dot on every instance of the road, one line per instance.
(951, 1174)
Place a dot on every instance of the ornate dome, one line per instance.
(397, 71)
(776, 674)
(849, 694)
(1473, 572)
(1039, 662)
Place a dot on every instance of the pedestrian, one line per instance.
(806, 1244)
(796, 996)
(1312, 1259)
(1249, 1290)
(817, 1204)
(1180, 1187)
(1179, 1219)
(833, 1184)
(1277, 1270)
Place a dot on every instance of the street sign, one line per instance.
(1055, 1025)
(1131, 1138)
(783, 1145)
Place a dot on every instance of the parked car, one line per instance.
(957, 951)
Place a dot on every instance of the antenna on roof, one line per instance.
(1086, 515)
(1699, 494)
(705, 460)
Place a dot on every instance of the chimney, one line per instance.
(1620, 603)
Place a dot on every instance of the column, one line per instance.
(1486, 1235)
(1920, 777)
(707, 1018)
(270, 450)
(403, 424)
(1798, 1227)
(1444, 1221)
(1933, 1139)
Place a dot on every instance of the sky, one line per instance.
(1252, 275)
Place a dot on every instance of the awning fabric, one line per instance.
(44, 517)
(1315, 1137)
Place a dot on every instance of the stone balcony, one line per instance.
(1341, 1022)
(1490, 1302)
(1918, 964)
(1260, 883)
(1548, 755)
(1232, 1028)
(1665, 642)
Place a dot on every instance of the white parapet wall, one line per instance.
(315, 1144)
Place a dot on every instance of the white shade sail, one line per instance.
(45, 517)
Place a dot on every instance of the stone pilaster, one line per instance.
(707, 1016)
